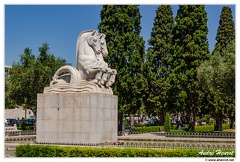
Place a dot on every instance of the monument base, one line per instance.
(74, 118)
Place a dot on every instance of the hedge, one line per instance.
(142, 125)
(209, 128)
(226, 126)
(61, 151)
(204, 129)
(148, 129)
(199, 129)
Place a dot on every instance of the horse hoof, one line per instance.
(101, 82)
(95, 81)
(109, 84)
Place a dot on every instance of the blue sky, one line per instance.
(59, 26)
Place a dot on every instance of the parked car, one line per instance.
(6, 122)
(11, 122)
(30, 122)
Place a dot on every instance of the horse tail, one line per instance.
(74, 76)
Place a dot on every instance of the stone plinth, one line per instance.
(74, 118)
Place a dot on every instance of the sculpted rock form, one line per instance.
(92, 75)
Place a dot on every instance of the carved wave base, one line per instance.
(83, 87)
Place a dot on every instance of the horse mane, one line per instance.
(81, 38)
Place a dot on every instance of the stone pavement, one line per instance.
(10, 150)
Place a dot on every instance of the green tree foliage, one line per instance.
(29, 76)
(226, 44)
(157, 65)
(230, 82)
(217, 77)
(226, 30)
(190, 50)
(167, 123)
(220, 97)
(121, 24)
(9, 103)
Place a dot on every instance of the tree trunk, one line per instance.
(232, 118)
(191, 123)
(219, 125)
(192, 120)
(35, 115)
(132, 121)
(162, 117)
(191, 126)
(219, 122)
(120, 122)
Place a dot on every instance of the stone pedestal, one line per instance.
(72, 118)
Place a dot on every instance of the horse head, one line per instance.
(103, 45)
(93, 41)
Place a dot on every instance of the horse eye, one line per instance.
(95, 40)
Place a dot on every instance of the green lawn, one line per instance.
(229, 130)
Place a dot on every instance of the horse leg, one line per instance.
(111, 78)
(99, 75)
(104, 78)
(101, 82)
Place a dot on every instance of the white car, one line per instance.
(6, 122)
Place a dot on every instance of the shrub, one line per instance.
(204, 129)
(141, 125)
(23, 124)
(209, 128)
(167, 123)
(226, 126)
(174, 126)
(61, 151)
(126, 122)
(148, 129)
(25, 128)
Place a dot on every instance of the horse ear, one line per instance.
(94, 33)
(102, 36)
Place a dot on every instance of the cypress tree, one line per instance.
(167, 123)
(222, 99)
(190, 50)
(225, 32)
(121, 24)
(157, 61)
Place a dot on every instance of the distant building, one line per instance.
(18, 113)
(7, 70)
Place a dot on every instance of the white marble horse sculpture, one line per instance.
(91, 48)
(91, 67)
